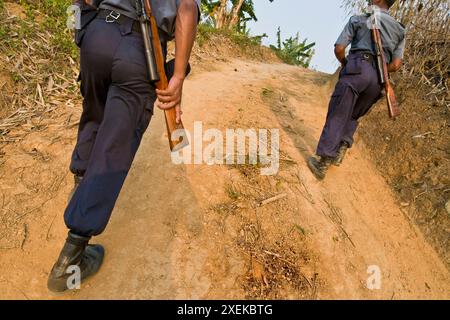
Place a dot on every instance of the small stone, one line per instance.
(447, 206)
(404, 204)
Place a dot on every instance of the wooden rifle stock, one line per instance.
(393, 107)
(170, 114)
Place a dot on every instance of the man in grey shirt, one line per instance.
(358, 88)
(359, 35)
(118, 101)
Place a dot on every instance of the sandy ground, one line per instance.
(199, 231)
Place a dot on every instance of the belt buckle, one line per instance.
(112, 17)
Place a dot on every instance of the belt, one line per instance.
(364, 55)
(116, 17)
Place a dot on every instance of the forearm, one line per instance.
(339, 52)
(185, 31)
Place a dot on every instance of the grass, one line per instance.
(300, 230)
(47, 17)
(44, 16)
(232, 192)
(54, 22)
(206, 32)
(36, 51)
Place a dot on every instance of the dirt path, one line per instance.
(200, 232)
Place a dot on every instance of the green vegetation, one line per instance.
(206, 32)
(46, 17)
(230, 17)
(54, 21)
(39, 55)
(300, 230)
(233, 14)
(293, 50)
(232, 192)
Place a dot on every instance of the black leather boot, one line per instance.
(76, 252)
(320, 167)
(341, 154)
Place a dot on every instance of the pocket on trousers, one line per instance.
(87, 16)
(353, 66)
(338, 90)
(145, 120)
(146, 116)
(79, 35)
(337, 96)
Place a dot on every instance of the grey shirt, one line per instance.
(358, 34)
(165, 12)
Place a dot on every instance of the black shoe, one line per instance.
(76, 252)
(341, 154)
(77, 180)
(319, 167)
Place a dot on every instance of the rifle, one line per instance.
(382, 68)
(156, 67)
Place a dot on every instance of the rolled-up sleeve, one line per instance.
(198, 3)
(199, 6)
(347, 35)
(166, 14)
(399, 51)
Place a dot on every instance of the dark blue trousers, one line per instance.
(117, 108)
(355, 93)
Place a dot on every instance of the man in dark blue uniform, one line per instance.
(358, 88)
(117, 108)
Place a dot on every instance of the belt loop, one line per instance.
(127, 27)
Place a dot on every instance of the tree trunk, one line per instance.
(221, 14)
(235, 14)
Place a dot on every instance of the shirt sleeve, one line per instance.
(400, 50)
(199, 9)
(198, 2)
(347, 35)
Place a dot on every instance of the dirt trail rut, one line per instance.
(198, 231)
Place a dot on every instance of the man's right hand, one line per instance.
(395, 65)
(339, 52)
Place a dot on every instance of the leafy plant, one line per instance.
(293, 50)
(229, 14)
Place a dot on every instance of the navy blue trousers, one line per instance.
(117, 108)
(355, 93)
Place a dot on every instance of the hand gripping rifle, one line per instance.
(383, 73)
(156, 69)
